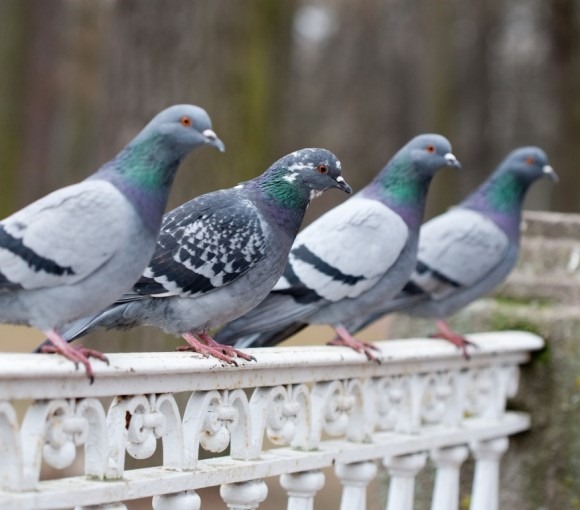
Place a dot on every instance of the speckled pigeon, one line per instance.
(220, 254)
(79, 248)
(469, 250)
(352, 258)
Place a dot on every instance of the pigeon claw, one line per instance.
(359, 346)
(203, 344)
(77, 354)
(445, 332)
(345, 339)
(206, 352)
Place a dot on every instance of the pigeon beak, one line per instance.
(212, 139)
(452, 161)
(548, 171)
(343, 185)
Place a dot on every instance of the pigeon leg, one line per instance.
(203, 344)
(345, 339)
(77, 354)
(445, 332)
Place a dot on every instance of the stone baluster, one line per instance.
(402, 471)
(187, 500)
(448, 463)
(485, 495)
(355, 479)
(244, 495)
(301, 488)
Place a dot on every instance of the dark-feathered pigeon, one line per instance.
(352, 258)
(469, 250)
(220, 254)
(79, 248)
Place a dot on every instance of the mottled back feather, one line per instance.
(204, 244)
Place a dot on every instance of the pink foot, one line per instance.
(77, 353)
(445, 332)
(207, 346)
(345, 339)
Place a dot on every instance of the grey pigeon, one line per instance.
(220, 254)
(79, 248)
(469, 250)
(352, 258)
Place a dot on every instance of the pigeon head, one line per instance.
(149, 162)
(430, 153)
(506, 189)
(301, 176)
(180, 129)
(403, 183)
(526, 165)
(407, 176)
(144, 170)
(501, 197)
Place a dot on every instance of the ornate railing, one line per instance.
(316, 406)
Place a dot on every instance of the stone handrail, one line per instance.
(294, 412)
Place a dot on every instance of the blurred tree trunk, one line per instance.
(12, 14)
(566, 73)
(45, 53)
(475, 134)
(441, 102)
(40, 95)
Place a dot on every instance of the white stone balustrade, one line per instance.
(316, 406)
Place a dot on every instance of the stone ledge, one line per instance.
(528, 288)
(551, 224)
(553, 255)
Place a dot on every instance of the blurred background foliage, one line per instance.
(79, 78)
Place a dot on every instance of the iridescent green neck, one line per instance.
(149, 164)
(144, 171)
(403, 188)
(500, 199)
(401, 183)
(503, 193)
(509, 192)
(281, 188)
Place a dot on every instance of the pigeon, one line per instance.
(352, 258)
(220, 254)
(76, 250)
(469, 250)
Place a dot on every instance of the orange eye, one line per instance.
(530, 160)
(322, 169)
(430, 149)
(185, 121)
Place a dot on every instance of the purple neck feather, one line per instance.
(509, 220)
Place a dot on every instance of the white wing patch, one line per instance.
(461, 245)
(355, 244)
(76, 227)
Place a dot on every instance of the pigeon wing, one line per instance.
(59, 239)
(345, 252)
(204, 244)
(457, 250)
